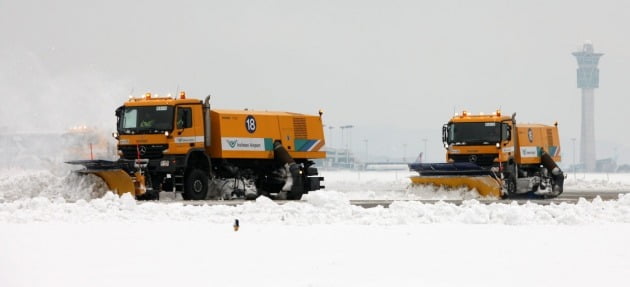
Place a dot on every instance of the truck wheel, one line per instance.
(150, 195)
(195, 185)
(510, 186)
(294, 195)
(296, 192)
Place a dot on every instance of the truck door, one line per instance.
(507, 141)
(188, 131)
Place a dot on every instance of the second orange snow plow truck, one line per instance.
(182, 145)
(497, 157)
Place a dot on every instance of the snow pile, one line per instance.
(320, 207)
(40, 196)
(368, 184)
(605, 182)
(388, 184)
(60, 182)
(20, 184)
(395, 184)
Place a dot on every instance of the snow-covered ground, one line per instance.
(57, 229)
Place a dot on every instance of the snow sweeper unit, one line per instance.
(182, 145)
(497, 157)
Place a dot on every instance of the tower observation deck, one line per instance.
(587, 80)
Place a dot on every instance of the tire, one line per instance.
(555, 192)
(510, 186)
(510, 178)
(195, 185)
(150, 195)
(294, 195)
(296, 191)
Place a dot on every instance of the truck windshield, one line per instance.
(145, 120)
(474, 133)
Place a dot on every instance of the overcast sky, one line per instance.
(396, 70)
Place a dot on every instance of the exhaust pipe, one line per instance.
(206, 121)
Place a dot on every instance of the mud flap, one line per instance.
(485, 185)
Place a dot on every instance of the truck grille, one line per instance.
(299, 128)
(152, 151)
(550, 137)
(479, 159)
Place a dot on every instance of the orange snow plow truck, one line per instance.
(182, 145)
(497, 157)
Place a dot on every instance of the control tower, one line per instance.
(587, 80)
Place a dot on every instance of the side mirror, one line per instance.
(444, 134)
(119, 111)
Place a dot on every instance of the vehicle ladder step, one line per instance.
(178, 182)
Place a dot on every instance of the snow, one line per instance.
(59, 229)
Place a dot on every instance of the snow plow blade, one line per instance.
(457, 175)
(485, 185)
(117, 180)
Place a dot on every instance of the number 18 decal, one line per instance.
(250, 124)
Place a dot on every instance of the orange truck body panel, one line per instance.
(532, 139)
(302, 135)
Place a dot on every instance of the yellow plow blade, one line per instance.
(485, 185)
(117, 180)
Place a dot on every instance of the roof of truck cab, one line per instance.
(137, 102)
(255, 112)
(479, 118)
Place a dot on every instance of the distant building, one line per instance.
(587, 80)
(606, 165)
(338, 158)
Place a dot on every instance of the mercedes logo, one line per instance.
(472, 158)
(143, 150)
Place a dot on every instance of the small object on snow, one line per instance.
(236, 224)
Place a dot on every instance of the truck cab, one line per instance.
(485, 140)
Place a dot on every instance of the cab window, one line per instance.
(184, 118)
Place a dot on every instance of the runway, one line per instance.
(570, 197)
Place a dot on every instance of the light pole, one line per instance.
(574, 167)
(329, 146)
(366, 150)
(346, 142)
(330, 134)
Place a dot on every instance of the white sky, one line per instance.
(396, 70)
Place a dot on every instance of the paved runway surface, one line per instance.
(569, 197)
